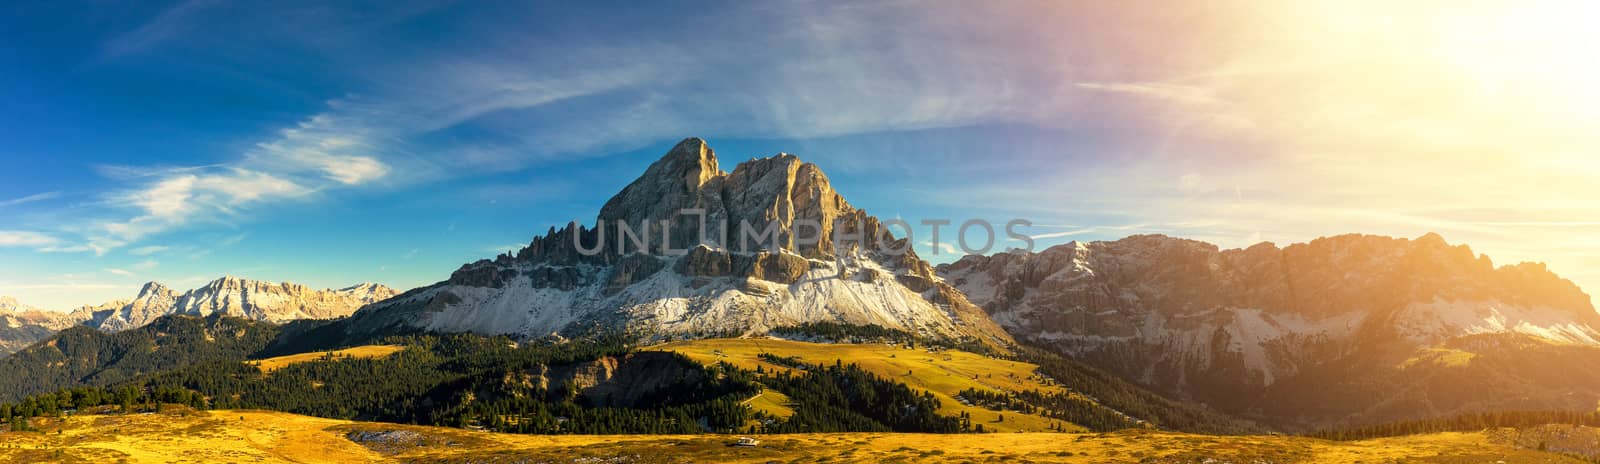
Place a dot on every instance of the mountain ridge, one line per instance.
(22, 325)
(250, 299)
(1234, 327)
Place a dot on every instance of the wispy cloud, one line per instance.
(30, 199)
(120, 272)
(1067, 233)
(1121, 229)
(148, 250)
(337, 147)
(65, 249)
(944, 247)
(1159, 90)
(183, 196)
(168, 25)
(232, 240)
(206, 248)
(25, 238)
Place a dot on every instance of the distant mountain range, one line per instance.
(21, 325)
(1341, 330)
(242, 298)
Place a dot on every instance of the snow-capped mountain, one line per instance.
(713, 286)
(232, 296)
(1232, 327)
(22, 325)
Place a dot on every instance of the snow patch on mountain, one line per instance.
(236, 297)
(668, 302)
(1433, 321)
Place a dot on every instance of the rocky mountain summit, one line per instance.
(1235, 327)
(236, 297)
(645, 268)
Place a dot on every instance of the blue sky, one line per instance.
(394, 141)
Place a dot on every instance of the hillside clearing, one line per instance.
(1440, 356)
(369, 351)
(772, 402)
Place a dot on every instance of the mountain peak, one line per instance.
(232, 281)
(691, 160)
(693, 148)
(1432, 239)
(153, 287)
(676, 181)
(666, 257)
(367, 287)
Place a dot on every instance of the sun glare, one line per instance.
(1542, 52)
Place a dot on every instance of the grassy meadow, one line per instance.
(369, 351)
(179, 435)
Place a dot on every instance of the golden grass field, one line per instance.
(179, 435)
(945, 373)
(1440, 356)
(370, 351)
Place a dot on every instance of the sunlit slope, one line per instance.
(369, 351)
(945, 372)
(772, 402)
(183, 436)
(268, 437)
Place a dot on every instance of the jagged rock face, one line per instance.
(243, 298)
(631, 380)
(154, 300)
(86, 313)
(10, 306)
(681, 282)
(779, 190)
(620, 381)
(1231, 327)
